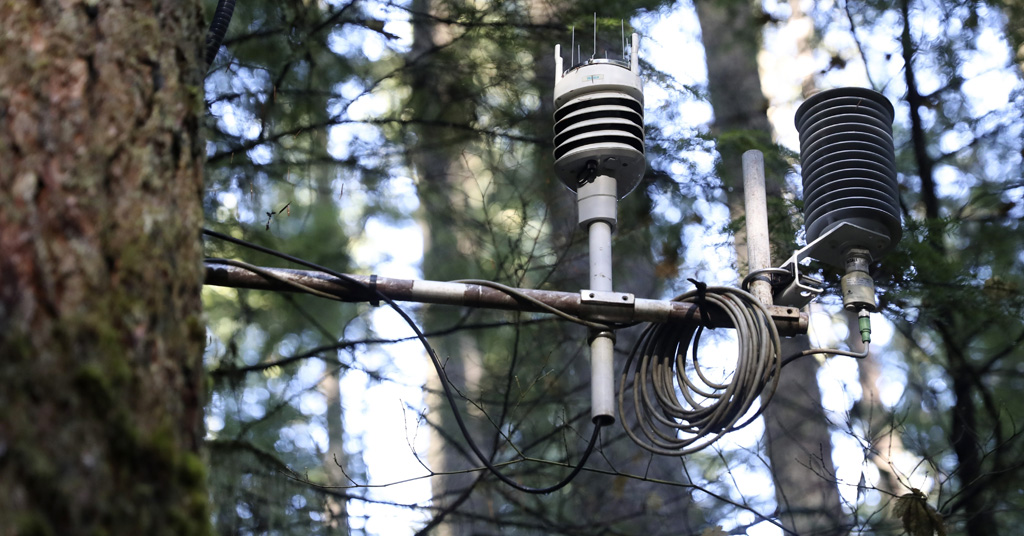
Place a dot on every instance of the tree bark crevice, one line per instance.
(101, 381)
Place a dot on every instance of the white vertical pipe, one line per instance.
(602, 374)
(598, 203)
(600, 255)
(602, 344)
(755, 205)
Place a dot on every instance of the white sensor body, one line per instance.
(599, 121)
(599, 154)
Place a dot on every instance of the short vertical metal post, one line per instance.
(598, 206)
(755, 204)
(602, 343)
(600, 256)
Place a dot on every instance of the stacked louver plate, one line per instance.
(848, 165)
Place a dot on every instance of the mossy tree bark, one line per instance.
(100, 321)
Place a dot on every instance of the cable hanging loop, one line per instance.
(434, 360)
(678, 408)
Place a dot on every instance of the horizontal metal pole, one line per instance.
(788, 320)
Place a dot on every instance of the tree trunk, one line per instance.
(100, 322)
(799, 446)
(886, 442)
(442, 180)
(335, 508)
(800, 449)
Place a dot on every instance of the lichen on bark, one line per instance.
(101, 339)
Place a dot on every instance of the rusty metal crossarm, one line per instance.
(788, 320)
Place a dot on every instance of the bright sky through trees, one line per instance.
(382, 413)
(380, 410)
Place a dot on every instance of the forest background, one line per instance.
(413, 140)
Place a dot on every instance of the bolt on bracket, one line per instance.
(602, 305)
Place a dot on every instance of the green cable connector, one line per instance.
(865, 326)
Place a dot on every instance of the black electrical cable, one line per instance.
(214, 37)
(708, 409)
(763, 274)
(514, 292)
(435, 361)
(268, 274)
(218, 28)
(672, 426)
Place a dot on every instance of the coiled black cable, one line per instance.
(707, 409)
(674, 425)
(435, 361)
(218, 28)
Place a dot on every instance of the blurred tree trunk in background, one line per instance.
(633, 272)
(101, 332)
(335, 509)
(294, 192)
(885, 445)
(440, 100)
(449, 159)
(796, 434)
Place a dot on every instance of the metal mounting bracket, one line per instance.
(603, 305)
(801, 290)
(830, 248)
